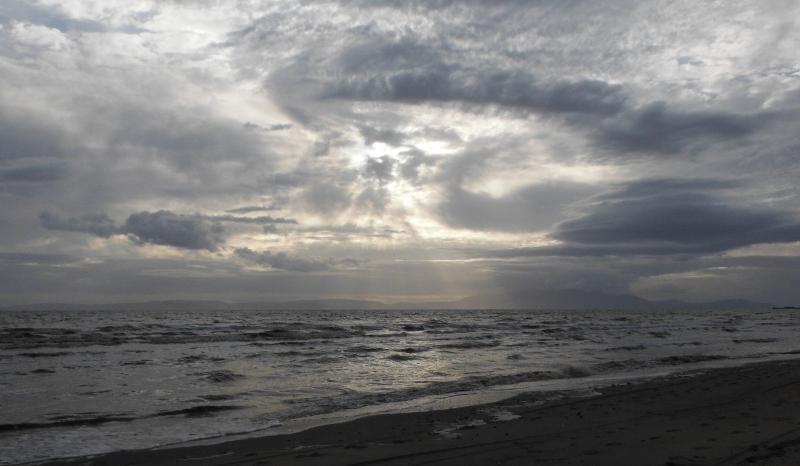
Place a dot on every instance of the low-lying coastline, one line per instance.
(741, 415)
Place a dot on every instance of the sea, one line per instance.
(80, 383)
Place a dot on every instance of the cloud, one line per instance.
(237, 219)
(163, 228)
(387, 136)
(666, 216)
(380, 168)
(677, 213)
(508, 88)
(655, 128)
(281, 261)
(276, 127)
(435, 117)
(414, 160)
(532, 208)
(49, 16)
(24, 136)
(327, 198)
(95, 224)
(42, 172)
(375, 200)
(36, 258)
(250, 209)
(168, 229)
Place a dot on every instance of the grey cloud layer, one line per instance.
(362, 119)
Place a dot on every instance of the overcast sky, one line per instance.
(398, 150)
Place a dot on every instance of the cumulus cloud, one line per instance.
(281, 261)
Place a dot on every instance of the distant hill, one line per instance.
(526, 299)
(579, 299)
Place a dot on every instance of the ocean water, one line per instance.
(82, 383)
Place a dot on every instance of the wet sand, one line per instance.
(746, 415)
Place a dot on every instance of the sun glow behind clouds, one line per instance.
(442, 131)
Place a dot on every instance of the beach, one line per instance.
(725, 416)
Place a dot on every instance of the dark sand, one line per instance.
(746, 415)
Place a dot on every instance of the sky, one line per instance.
(260, 150)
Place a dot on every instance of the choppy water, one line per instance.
(77, 383)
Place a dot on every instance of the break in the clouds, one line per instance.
(398, 150)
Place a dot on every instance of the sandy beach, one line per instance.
(744, 415)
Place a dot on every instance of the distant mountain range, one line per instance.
(526, 299)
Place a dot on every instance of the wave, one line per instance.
(196, 411)
(219, 376)
(88, 421)
(81, 422)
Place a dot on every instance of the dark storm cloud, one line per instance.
(660, 217)
(413, 71)
(656, 128)
(281, 261)
(168, 229)
(676, 213)
(532, 208)
(162, 228)
(511, 88)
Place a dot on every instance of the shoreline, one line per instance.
(748, 414)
